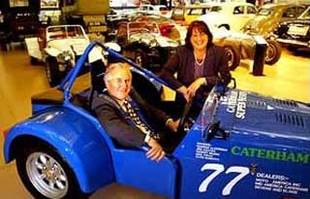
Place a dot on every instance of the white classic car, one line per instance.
(59, 47)
(231, 16)
(155, 10)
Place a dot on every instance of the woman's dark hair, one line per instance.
(202, 27)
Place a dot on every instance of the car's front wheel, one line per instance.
(45, 174)
(273, 52)
(233, 57)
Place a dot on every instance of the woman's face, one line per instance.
(199, 39)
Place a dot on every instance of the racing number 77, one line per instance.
(219, 168)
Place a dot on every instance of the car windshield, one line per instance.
(209, 109)
(65, 32)
(306, 14)
(142, 27)
(265, 11)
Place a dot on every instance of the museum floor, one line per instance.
(287, 79)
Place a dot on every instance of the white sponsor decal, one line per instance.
(207, 152)
(278, 183)
(236, 103)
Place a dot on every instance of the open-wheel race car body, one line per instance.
(242, 145)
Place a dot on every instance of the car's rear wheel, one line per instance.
(233, 57)
(45, 174)
(273, 52)
(52, 71)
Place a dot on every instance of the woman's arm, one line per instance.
(170, 68)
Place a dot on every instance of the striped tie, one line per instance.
(138, 121)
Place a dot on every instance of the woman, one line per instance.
(199, 65)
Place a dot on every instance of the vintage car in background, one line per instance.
(168, 28)
(241, 145)
(243, 46)
(142, 42)
(58, 47)
(269, 17)
(295, 33)
(154, 10)
(192, 12)
(231, 16)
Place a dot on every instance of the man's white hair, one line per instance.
(115, 67)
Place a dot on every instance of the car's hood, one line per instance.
(214, 19)
(257, 25)
(251, 113)
(78, 45)
(219, 33)
(153, 40)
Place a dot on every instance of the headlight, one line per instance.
(65, 56)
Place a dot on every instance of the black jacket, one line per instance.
(117, 122)
(183, 63)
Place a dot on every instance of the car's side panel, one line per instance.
(76, 139)
(134, 169)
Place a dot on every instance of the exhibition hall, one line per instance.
(154, 99)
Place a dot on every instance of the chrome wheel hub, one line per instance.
(47, 175)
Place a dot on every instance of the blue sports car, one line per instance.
(242, 145)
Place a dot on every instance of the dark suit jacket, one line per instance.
(183, 63)
(117, 122)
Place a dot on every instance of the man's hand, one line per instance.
(173, 125)
(191, 90)
(156, 152)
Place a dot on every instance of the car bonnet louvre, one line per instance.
(290, 119)
(284, 103)
(257, 104)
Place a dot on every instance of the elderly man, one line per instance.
(123, 114)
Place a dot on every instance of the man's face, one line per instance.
(119, 84)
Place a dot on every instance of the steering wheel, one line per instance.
(184, 116)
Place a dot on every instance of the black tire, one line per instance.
(233, 57)
(34, 61)
(52, 71)
(273, 52)
(35, 161)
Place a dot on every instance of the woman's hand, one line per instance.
(184, 92)
(156, 152)
(191, 90)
